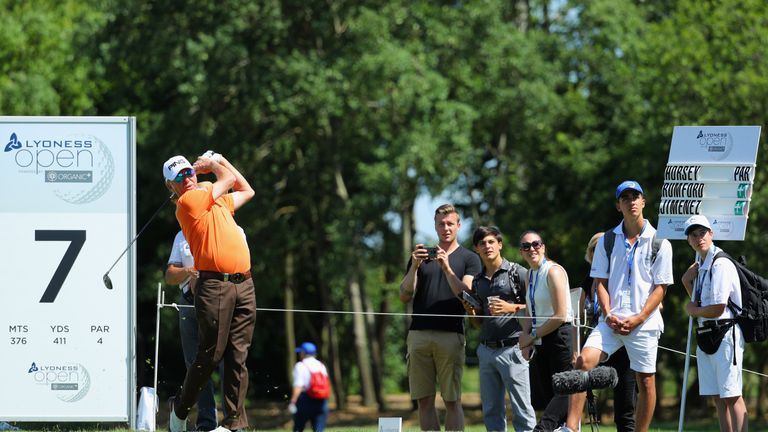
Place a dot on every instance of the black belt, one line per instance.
(717, 323)
(500, 343)
(226, 277)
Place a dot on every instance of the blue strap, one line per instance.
(532, 282)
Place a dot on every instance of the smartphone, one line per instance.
(469, 298)
(431, 252)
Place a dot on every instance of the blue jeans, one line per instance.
(505, 369)
(313, 410)
(206, 405)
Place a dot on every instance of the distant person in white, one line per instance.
(302, 406)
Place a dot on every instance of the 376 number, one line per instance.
(76, 239)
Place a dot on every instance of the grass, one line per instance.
(271, 416)
(662, 427)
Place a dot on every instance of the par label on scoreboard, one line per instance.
(68, 211)
(710, 172)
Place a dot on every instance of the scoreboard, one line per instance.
(68, 211)
(710, 172)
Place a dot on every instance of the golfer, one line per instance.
(225, 300)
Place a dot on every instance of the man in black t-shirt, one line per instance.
(434, 281)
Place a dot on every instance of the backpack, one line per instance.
(610, 237)
(515, 285)
(752, 316)
(319, 385)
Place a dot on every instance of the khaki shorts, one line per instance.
(435, 356)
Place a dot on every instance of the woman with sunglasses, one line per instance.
(548, 332)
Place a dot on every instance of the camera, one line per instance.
(431, 252)
(469, 298)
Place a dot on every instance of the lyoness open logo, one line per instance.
(69, 382)
(81, 166)
(717, 144)
(13, 144)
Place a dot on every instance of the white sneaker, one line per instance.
(221, 429)
(175, 424)
(563, 428)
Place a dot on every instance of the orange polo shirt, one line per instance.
(213, 236)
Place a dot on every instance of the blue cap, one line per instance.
(307, 348)
(628, 184)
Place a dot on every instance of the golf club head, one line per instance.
(107, 281)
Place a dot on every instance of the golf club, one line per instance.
(107, 280)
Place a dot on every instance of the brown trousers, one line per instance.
(226, 315)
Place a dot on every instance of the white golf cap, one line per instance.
(697, 220)
(173, 166)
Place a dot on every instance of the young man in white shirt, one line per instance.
(715, 282)
(630, 287)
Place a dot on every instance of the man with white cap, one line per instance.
(714, 284)
(225, 300)
(311, 390)
(631, 281)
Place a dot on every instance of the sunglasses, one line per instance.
(187, 172)
(536, 244)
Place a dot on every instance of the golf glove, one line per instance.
(212, 155)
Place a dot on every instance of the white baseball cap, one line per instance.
(697, 220)
(173, 166)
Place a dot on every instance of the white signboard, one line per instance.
(710, 172)
(67, 212)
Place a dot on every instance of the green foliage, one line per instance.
(341, 113)
(42, 69)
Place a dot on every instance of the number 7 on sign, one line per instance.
(77, 239)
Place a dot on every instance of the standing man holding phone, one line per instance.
(436, 344)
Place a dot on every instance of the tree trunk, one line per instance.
(375, 326)
(361, 339)
(407, 247)
(290, 326)
(335, 363)
(521, 16)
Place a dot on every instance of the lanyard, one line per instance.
(702, 277)
(631, 254)
(532, 282)
(699, 286)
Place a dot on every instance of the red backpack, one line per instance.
(319, 385)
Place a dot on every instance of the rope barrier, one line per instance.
(405, 314)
